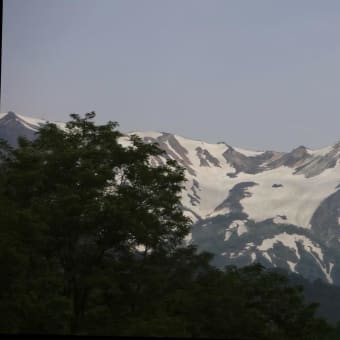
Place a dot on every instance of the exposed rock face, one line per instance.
(281, 209)
(174, 150)
(325, 221)
(236, 194)
(206, 158)
(249, 165)
(275, 185)
(292, 159)
(314, 166)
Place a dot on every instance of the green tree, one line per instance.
(95, 200)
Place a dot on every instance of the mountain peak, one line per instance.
(10, 114)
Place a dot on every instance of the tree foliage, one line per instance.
(91, 242)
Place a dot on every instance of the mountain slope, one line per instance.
(282, 209)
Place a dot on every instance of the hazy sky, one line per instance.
(255, 74)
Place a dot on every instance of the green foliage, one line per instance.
(75, 208)
(94, 201)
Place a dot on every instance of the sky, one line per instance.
(262, 75)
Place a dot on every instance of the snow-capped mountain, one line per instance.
(281, 209)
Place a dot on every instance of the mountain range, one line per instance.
(278, 208)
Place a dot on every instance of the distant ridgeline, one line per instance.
(280, 209)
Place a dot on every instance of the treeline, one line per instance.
(91, 242)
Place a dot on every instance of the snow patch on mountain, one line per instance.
(237, 226)
(31, 123)
(291, 265)
(248, 153)
(297, 199)
(290, 241)
(212, 179)
(223, 211)
(280, 219)
(145, 134)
